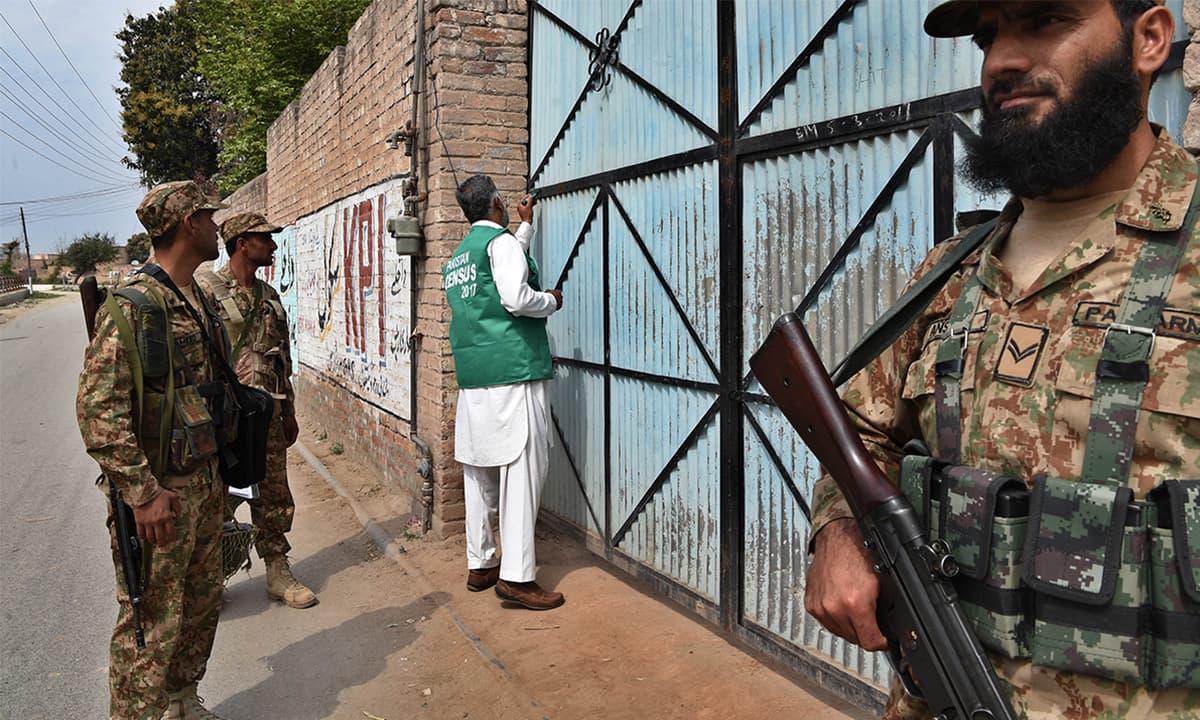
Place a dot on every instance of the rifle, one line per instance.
(124, 523)
(930, 644)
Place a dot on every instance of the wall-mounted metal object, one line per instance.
(603, 58)
(408, 134)
(407, 232)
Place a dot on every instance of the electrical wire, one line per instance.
(75, 196)
(64, 112)
(81, 80)
(73, 171)
(85, 150)
(66, 94)
(91, 169)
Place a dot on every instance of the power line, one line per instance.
(81, 80)
(75, 196)
(65, 94)
(89, 168)
(57, 104)
(92, 153)
(73, 171)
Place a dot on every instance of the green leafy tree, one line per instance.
(138, 247)
(166, 104)
(9, 249)
(257, 55)
(88, 251)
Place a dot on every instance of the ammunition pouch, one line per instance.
(1072, 575)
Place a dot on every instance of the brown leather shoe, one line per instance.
(529, 594)
(482, 579)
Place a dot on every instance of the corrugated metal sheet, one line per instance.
(675, 214)
(797, 212)
(776, 531)
(879, 56)
(577, 396)
(628, 123)
(677, 532)
(647, 334)
(680, 58)
(576, 331)
(560, 70)
(1169, 101)
(589, 16)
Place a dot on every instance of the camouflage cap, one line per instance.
(955, 18)
(243, 223)
(167, 204)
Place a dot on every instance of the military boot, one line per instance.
(282, 585)
(187, 705)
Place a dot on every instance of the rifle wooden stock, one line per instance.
(792, 373)
(89, 296)
(930, 643)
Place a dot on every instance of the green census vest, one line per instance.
(491, 345)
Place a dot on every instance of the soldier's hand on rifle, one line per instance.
(842, 586)
(156, 519)
(557, 294)
(291, 429)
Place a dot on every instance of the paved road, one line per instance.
(56, 601)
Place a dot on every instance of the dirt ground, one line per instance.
(611, 651)
(8, 312)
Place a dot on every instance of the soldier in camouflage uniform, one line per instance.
(257, 326)
(178, 510)
(1094, 183)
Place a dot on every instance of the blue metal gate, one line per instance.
(706, 165)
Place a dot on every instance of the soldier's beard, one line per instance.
(504, 219)
(1074, 143)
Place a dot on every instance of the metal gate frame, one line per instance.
(732, 147)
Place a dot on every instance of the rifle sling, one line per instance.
(900, 315)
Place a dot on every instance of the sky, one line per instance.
(60, 137)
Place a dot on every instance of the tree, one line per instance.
(166, 104)
(138, 247)
(9, 249)
(88, 251)
(257, 55)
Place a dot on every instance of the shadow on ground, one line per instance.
(308, 676)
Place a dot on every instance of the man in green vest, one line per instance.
(502, 362)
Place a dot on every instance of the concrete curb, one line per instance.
(386, 543)
(14, 296)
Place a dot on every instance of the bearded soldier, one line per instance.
(1062, 355)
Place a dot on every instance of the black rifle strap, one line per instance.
(900, 315)
(222, 363)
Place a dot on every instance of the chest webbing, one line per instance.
(1122, 369)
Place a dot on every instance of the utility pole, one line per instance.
(28, 257)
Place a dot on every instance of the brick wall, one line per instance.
(330, 143)
(1191, 74)
(251, 197)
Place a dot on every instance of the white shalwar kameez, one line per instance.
(502, 433)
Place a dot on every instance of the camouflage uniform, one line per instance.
(182, 582)
(264, 361)
(1037, 421)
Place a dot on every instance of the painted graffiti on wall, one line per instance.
(352, 296)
